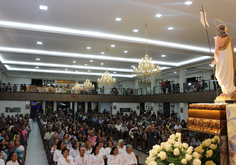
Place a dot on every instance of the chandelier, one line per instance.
(88, 85)
(106, 80)
(146, 68)
(77, 88)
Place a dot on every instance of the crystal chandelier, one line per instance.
(77, 88)
(146, 68)
(106, 80)
(88, 85)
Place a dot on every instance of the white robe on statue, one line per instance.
(225, 69)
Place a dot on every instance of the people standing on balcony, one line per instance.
(163, 86)
(197, 86)
(168, 86)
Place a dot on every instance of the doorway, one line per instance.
(167, 109)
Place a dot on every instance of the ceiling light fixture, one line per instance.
(88, 47)
(74, 62)
(91, 60)
(125, 51)
(118, 19)
(113, 46)
(163, 55)
(39, 43)
(76, 71)
(88, 70)
(158, 15)
(132, 66)
(38, 59)
(85, 64)
(41, 7)
(175, 72)
(102, 63)
(102, 52)
(170, 28)
(36, 67)
(135, 30)
(66, 69)
(188, 2)
(114, 72)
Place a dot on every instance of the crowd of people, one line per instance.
(166, 86)
(76, 141)
(13, 140)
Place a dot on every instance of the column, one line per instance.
(75, 106)
(86, 107)
(183, 108)
(54, 106)
(71, 105)
(153, 84)
(181, 79)
(92, 106)
(1, 76)
(155, 107)
(55, 82)
(44, 106)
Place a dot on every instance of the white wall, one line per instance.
(3, 78)
(133, 107)
(18, 81)
(20, 104)
(104, 105)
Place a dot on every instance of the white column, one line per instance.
(75, 106)
(92, 105)
(184, 113)
(55, 82)
(44, 106)
(71, 105)
(136, 84)
(181, 79)
(54, 106)
(153, 84)
(155, 107)
(86, 107)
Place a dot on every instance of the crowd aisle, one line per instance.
(35, 152)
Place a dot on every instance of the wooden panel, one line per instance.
(204, 97)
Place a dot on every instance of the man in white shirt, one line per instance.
(49, 134)
(128, 157)
(82, 158)
(177, 126)
(118, 128)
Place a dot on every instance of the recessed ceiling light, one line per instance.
(38, 59)
(163, 55)
(39, 43)
(114, 72)
(76, 71)
(102, 63)
(188, 2)
(118, 19)
(113, 46)
(135, 30)
(175, 72)
(158, 15)
(91, 60)
(132, 66)
(36, 67)
(41, 7)
(170, 28)
(125, 51)
(88, 70)
(74, 61)
(88, 47)
(85, 64)
(102, 52)
(66, 69)
(185, 70)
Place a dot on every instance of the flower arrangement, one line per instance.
(209, 151)
(173, 152)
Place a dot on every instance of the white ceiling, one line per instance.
(72, 26)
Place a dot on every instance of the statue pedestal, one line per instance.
(211, 119)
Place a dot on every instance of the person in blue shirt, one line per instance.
(12, 148)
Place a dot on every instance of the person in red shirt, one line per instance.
(163, 86)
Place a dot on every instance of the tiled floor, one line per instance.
(36, 154)
(142, 156)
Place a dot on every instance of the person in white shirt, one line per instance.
(177, 126)
(74, 151)
(12, 159)
(88, 148)
(2, 162)
(82, 158)
(57, 154)
(65, 159)
(108, 149)
(95, 158)
(114, 158)
(195, 141)
(49, 134)
(118, 127)
(128, 157)
(121, 146)
(102, 150)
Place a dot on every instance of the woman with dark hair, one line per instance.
(12, 159)
(80, 139)
(57, 154)
(3, 144)
(102, 151)
(74, 151)
(66, 139)
(109, 147)
(114, 158)
(65, 159)
(7, 139)
(104, 139)
(54, 147)
(95, 158)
